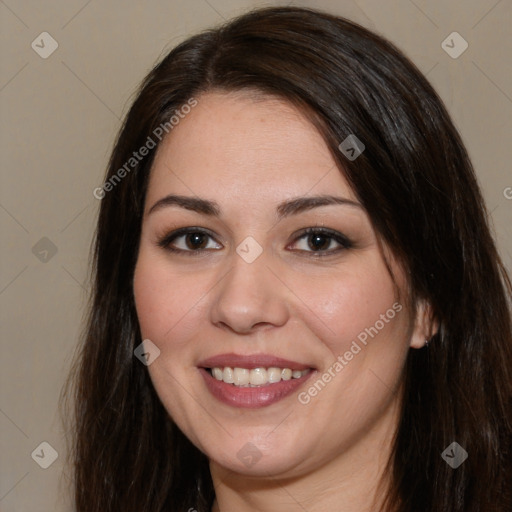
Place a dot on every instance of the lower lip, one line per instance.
(252, 398)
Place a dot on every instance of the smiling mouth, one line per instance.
(255, 377)
(253, 380)
(253, 388)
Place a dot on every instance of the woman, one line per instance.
(297, 303)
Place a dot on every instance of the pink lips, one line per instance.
(248, 397)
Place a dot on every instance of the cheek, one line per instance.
(167, 302)
(168, 306)
(359, 304)
(364, 330)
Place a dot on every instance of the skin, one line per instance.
(248, 154)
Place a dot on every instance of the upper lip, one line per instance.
(251, 361)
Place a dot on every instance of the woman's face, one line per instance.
(311, 320)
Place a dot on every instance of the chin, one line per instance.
(258, 458)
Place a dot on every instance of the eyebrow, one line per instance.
(284, 209)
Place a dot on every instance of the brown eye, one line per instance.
(319, 242)
(196, 241)
(322, 242)
(189, 240)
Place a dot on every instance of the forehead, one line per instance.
(244, 146)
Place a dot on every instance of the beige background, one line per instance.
(59, 119)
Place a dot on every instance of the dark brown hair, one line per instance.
(417, 184)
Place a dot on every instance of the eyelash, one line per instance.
(345, 243)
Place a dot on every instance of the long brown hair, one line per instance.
(417, 184)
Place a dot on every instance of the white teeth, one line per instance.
(227, 375)
(274, 375)
(257, 376)
(241, 376)
(286, 374)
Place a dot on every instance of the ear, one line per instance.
(425, 325)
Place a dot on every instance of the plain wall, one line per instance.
(60, 115)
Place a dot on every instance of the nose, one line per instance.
(249, 297)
